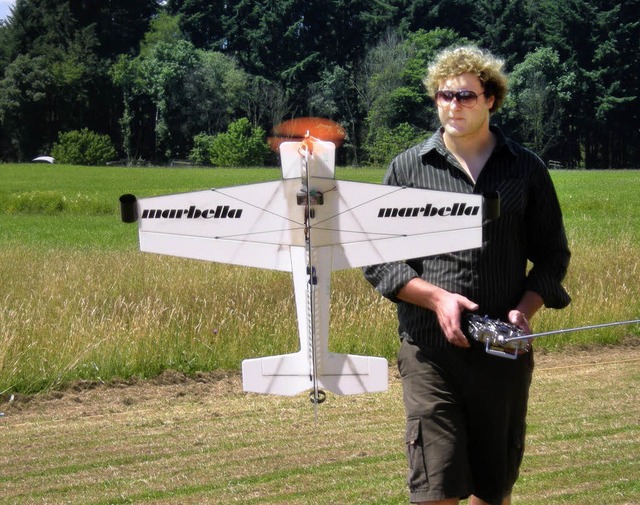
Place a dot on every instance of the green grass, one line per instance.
(598, 205)
(80, 301)
(77, 207)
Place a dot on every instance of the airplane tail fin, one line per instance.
(290, 374)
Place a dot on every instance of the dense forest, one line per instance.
(157, 77)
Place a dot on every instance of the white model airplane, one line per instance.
(309, 224)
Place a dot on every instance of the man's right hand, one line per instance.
(447, 306)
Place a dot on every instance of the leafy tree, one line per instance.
(215, 91)
(510, 28)
(37, 26)
(162, 28)
(6, 43)
(200, 152)
(288, 44)
(540, 88)
(617, 100)
(174, 91)
(202, 21)
(83, 147)
(428, 15)
(381, 75)
(23, 98)
(163, 72)
(335, 97)
(42, 94)
(136, 106)
(241, 145)
(391, 141)
(63, 37)
(569, 28)
(157, 78)
(596, 41)
(266, 102)
(119, 25)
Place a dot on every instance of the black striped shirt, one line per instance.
(495, 276)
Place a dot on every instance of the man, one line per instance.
(465, 408)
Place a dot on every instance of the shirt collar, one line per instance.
(436, 143)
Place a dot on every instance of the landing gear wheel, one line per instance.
(318, 398)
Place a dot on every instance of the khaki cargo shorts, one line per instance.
(466, 426)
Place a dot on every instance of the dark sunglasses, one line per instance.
(465, 98)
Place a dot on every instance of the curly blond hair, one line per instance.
(469, 59)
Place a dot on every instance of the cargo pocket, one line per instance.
(417, 475)
(516, 455)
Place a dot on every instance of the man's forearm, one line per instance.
(421, 293)
(447, 306)
(529, 304)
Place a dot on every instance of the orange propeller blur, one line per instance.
(316, 128)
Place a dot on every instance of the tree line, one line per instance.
(157, 75)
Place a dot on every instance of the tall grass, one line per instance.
(94, 315)
(79, 301)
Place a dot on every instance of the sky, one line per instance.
(4, 8)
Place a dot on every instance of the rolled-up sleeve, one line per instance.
(389, 278)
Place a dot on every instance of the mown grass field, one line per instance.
(180, 441)
(85, 319)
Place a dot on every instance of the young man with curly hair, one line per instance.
(465, 408)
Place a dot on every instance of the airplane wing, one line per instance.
(244, 225)
(364, 224)
(357, 223)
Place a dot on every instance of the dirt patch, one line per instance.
(629, 348)
(93, 398)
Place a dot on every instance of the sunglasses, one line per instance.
(465, 98)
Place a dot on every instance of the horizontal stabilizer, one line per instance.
(290, 374)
